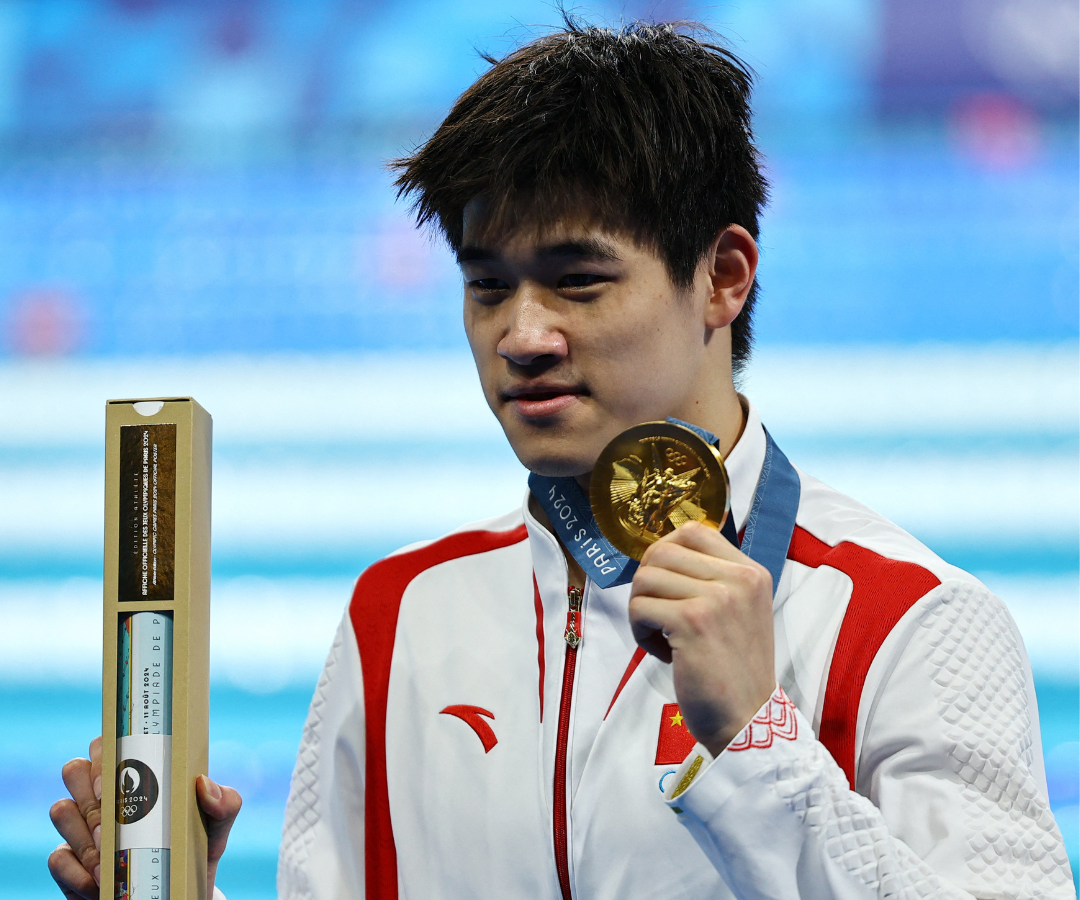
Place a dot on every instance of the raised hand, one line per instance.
(705, 607)
(76, 864)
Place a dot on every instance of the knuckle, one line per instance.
(650, 556)
(664, 552)
(64, 866)
(644, 579)
(93, 816)
(57, 858)
(718, 592)
(60, 811)
(89, 856)
(696, 614)
(758, 578)
(73, 767)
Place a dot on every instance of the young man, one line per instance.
(814, 705)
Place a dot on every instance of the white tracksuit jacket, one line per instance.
(456, 748)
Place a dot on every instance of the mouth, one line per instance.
(539, 401)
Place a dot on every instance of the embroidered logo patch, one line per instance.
(675, 741)
(470, 715)
(776, 720)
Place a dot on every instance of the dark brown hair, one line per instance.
(646, 129)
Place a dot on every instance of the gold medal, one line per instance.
(651, 479)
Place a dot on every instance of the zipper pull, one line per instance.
(572, 635)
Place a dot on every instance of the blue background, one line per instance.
(193, 200)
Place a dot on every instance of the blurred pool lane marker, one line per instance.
(849, 391)
(318, 508)
(266, 633)
(286, 626)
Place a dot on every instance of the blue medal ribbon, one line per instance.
(571, 516)
(771, 522)
(765, 539)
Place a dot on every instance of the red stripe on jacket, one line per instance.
(374, 614)
(882, 590)
(538, 606)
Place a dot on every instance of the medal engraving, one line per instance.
(653, 478)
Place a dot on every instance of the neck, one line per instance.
(712, 402)
(724, 416)
(574, 572)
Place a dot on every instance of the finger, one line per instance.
(648, 613)
(655, 644)
(77, 779)
(70, 875)
(742, 575)
(79, 834)
(664, 584)
(95, 766)
(651, 620)
(220, 805)
(696, 536)
(692, 577)
(678, 558)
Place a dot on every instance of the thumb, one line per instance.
(220, 806)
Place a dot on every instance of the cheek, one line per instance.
(650, 358)
(651, 340)
(478, 333)
(483, 333)
(483, 329)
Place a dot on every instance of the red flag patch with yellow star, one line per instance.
(675, 741)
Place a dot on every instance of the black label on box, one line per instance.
(136, 790)
(147, 512)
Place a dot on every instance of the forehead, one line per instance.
(577, 235)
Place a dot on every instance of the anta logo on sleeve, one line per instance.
(470, 715)
(675, 740)
(136, 791)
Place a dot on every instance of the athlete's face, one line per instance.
(579, 333)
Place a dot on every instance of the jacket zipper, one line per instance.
(572, 636)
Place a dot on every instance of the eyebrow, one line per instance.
(583, 248)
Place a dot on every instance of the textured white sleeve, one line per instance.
(952, 800)
(322, 842)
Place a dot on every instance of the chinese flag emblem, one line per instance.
(675, 741)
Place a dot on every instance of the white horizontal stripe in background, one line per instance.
(330, 455)
(334, 505)
(928, 389)
(268, 633)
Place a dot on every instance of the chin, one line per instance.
(557, 468)
(553, 450)
(550, 462)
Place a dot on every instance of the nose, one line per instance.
(531, 335)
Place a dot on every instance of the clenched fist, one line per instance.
(705, 607)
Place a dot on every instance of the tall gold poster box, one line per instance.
(156, 655)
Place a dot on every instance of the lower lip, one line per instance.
(539, 409)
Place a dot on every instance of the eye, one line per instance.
(488, 285)
(580, 280)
